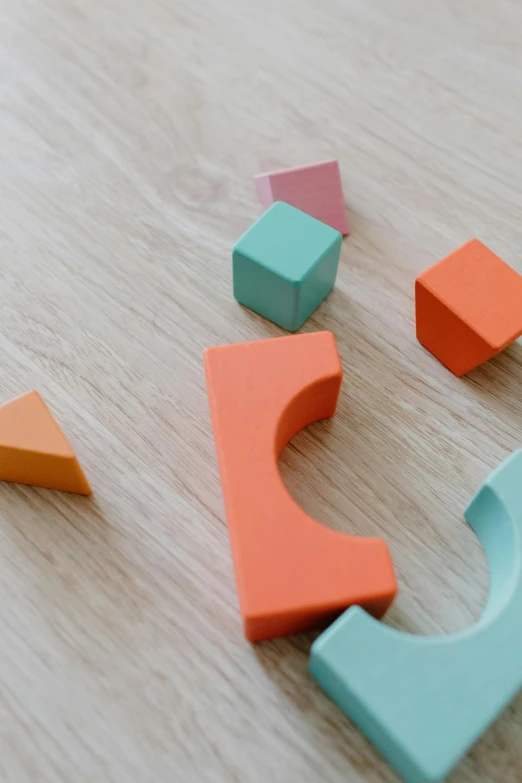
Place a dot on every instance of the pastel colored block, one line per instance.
(285, 265)
(468, 307)
(292, 573)
(34, 450)
(315, 189)
(424, 701)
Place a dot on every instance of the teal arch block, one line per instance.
(285, 265)
(424, 701)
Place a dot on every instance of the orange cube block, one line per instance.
(468, 307)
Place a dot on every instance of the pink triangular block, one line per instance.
(315, 189)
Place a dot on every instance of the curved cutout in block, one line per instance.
(292, 573)
(424, 701)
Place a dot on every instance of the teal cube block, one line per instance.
(285, 265)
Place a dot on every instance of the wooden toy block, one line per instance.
(468, 307)
(33, 449)
(424, 701)
(315, 189)
(292, 573)
(285, 265)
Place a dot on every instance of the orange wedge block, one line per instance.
(34, 450)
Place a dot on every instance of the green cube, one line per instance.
(285, 265)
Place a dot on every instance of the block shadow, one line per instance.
(327, 729)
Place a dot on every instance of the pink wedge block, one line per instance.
(315, 189)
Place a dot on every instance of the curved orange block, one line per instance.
(292, 573)
(34, 450)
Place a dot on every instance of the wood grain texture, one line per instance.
(129, 135)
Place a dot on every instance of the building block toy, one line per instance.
(33, 449)
(315, 189)
(468, 307)
(285, 265)
(292, 573)
(424, 701)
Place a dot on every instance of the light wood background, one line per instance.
(129, 133)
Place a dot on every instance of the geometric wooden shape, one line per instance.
(292, 573)
(285, 265)
(424, 701)
(468, 307)
(34, 450)
(315, 189)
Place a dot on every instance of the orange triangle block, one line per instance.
(34, 450)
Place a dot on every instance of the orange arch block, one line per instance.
(292, 573)
(34, 450)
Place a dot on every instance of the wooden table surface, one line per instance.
(129, 135)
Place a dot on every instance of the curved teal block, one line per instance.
(424, 701)
(285, 265)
